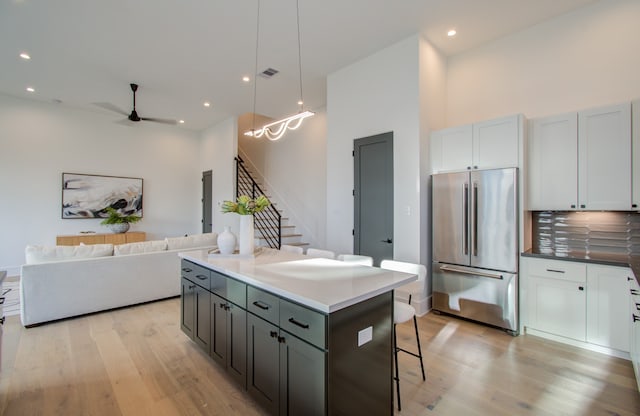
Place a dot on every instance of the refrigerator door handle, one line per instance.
(465, 216)
(474, 234)
(474, 273)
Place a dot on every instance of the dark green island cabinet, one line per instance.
(291, 358)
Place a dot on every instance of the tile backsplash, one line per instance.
(586, 232)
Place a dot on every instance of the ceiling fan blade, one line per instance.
(159, 120)
(111, 107)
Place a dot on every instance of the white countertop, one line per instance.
(321, 284)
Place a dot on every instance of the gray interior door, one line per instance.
(373, 196)
(206, 201)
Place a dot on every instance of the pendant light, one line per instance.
(276, 129)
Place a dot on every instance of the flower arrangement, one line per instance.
(245, 205)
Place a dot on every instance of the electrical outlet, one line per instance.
(365, 336)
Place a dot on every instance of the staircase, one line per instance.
(271, 227)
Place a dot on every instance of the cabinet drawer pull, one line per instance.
(192, 286)
(273, 334)
(2, 320)
(261, 305)
(186, 270)
(635, 318)
(2, 300)
(202, 277)
(580, 288)
(300, 324)
(637, 306)
(555, 271)
(634, 291)
(281, 340)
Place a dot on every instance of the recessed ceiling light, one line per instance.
(30, 89)
(246, 78)
(207, 104)
(25, 55)
(181, 121)
(451, 33)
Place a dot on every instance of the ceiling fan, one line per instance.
(133, 116)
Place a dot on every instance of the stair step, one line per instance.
(283, 236)
(275, 228)
(288, 234)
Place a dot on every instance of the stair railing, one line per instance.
(268, 223)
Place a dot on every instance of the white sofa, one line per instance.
(64, 281)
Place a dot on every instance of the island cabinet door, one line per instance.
(229, 338)
(263, 367)
(187, 312)
(218, 330)
(236, 361)
(202, 325)
(302, 377)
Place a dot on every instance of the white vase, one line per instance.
(226, 241)
(118, 228)
(245, 239)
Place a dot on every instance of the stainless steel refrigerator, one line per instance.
(475, 246)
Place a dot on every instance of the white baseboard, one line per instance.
(587, 346)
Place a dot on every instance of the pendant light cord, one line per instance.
(299, 54)
(255, 72)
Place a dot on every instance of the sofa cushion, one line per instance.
(140, 247)
(192, 241)
(44, 254)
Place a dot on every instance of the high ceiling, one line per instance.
(185, 52)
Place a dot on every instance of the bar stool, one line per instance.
(402, 312)
(356, 259)
(315, 252)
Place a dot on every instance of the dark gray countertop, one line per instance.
(608, 259)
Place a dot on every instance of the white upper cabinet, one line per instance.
(553, 162)
(604, 158)
(496, 143)
(484, 145)
(452, 149)
(581, 161)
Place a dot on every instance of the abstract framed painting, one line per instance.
(88, 196)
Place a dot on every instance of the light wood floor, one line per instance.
(135, 361)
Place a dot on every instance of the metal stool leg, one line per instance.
(415, 325)
(397, 377)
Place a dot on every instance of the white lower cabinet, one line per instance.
(556, 297)
(634, 319)
(578, 301)
(607, 308)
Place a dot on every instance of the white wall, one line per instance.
(586, 58)
(40, 141)
(376, 95)
(217, 152)
(294, 172)
(433, 73)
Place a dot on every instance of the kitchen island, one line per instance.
(303, 335)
